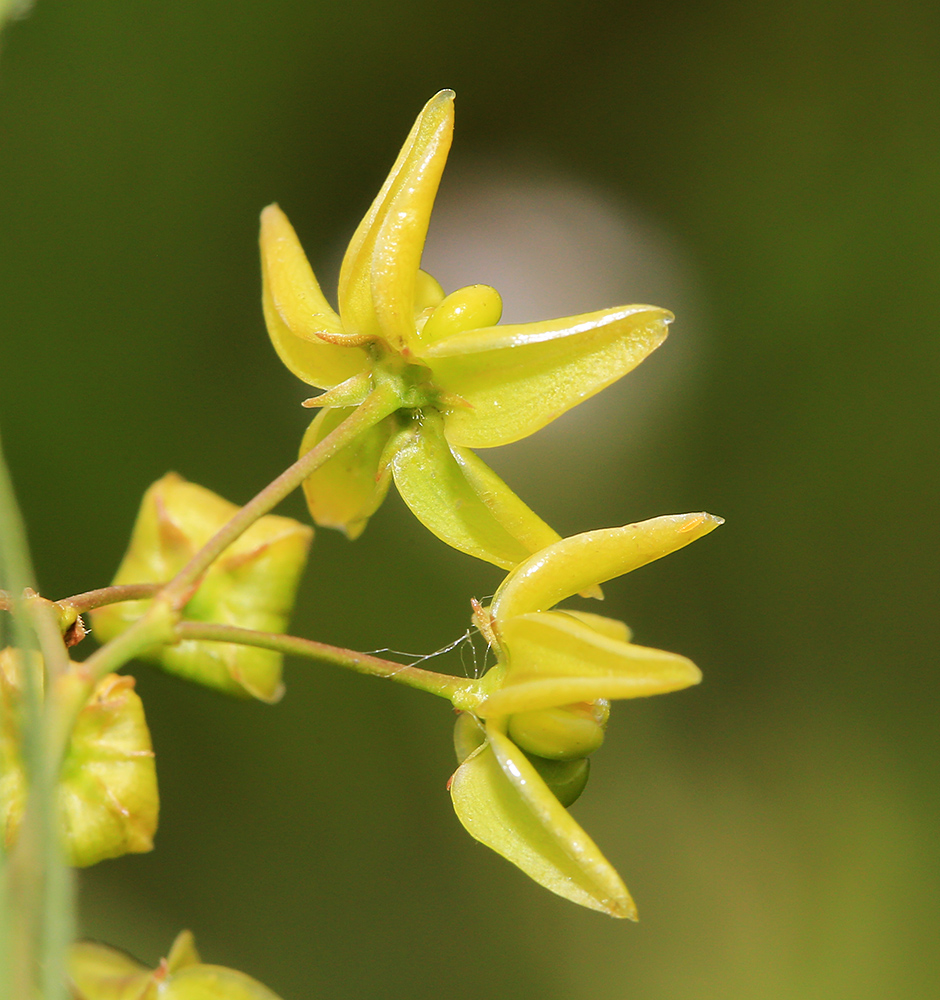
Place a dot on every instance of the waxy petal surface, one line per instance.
(377, 279)
(461, 501)
(350, 487)
(574, 563)
(503, 803)
(517, 379)
(556, 660)
(296, 312)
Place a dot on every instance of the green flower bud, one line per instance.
(252, 584)
(107, 795)
(108, 802)
(564, 733)
(566, 779)
(97, 972)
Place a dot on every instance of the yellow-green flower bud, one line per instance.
(97, 972)
(466, 309)
(252, 584)
(567, 732)
(107, 795)
(108, 802)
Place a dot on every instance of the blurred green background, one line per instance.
(769, 171)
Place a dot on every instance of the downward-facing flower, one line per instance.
(452, 378)
(543, 708)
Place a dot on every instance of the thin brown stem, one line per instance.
(91, 599)
(381, 403)
(459, 690)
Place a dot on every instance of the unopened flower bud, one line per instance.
(107, 794)
(568, 732)
(97, 972)
(108, 802)
(468, 308)
(252, 584)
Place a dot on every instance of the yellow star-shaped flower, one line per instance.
(456, 379)
(536, 715)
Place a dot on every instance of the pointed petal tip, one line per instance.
(701, 520)
(623, 909)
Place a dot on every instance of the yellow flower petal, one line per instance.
(350, 487)
(517, 379)
(613, 628)
(556, 660)
(306, 332)
(502, 802)
(463, 502)
(574, 563)
(377, 279)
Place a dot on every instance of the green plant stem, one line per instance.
(36, 900)
(91, 599)
(43, 617)
(381, 402)
(456, 689)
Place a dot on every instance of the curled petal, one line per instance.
(574, 563)
(517, 379)
(379, 272)
(503, 802)
(556, 660)
(304, 329)
(462, 501)
(350, 487)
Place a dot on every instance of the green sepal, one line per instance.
(252, 584)
(455, 496)
(504, 803)
(349, 487)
